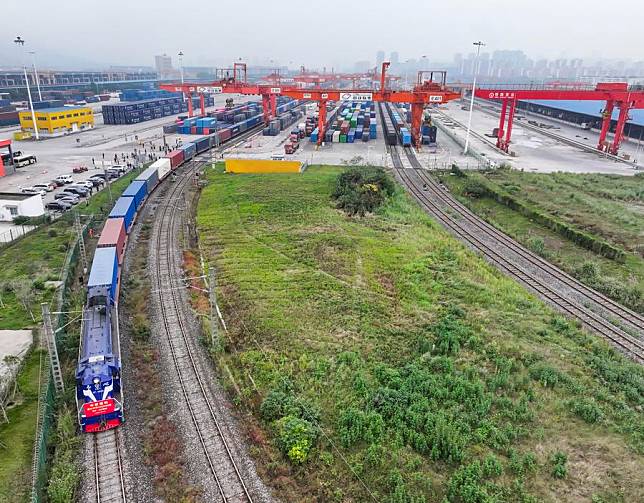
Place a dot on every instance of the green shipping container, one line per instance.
(343, 138)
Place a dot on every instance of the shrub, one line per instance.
(548, 376)
(587, 409)
(295, 438)
(274, 405)
(52, 233)
(362, 190)
(474, 189)
(559, 460)
(356, 426)
(492, 467)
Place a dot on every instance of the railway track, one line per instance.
(108, 467)
(612, 321)
(226, 475)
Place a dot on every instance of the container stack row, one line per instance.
(283, 120)
(218, 119)
(146, 94)
(351, 121)
(133, 112)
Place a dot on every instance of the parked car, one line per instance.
(79, 169)
(68, 197)
(113, 173)
(44, 186)
(59, 205)
(65, 179)
(118, 167)
(97, 182)
(57, 182)
(84, 183)
(102, 176)
(78, 191)
(33, 191)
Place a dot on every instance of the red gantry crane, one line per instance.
(234, 81)
(615, 94)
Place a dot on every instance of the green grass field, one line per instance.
(34, 259)
(610, 207)
(430, 374)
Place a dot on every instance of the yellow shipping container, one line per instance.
(58, 121)
(262, 166)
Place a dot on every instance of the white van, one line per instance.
(65, 179)
(24, 160)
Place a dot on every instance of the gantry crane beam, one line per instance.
(615, 94)
(424, 93)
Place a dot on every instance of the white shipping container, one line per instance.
(336, 137)
(163, 167)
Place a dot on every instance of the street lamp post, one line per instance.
(33, 60)
(469, 121)
(21, 43)
(183, 95)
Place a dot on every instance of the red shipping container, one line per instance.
(224, 135)
(193, 130)
(176, 158)
(206, 130)
(114, 234)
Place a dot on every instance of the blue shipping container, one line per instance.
(151, 177)
(189, 150)
(138, 189)
(124, 208)
(104, 272)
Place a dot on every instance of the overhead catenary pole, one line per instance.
(212, 296)
(469, 120)
(33, 60)
(21, 43)
(183, 95)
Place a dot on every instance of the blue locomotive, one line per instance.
(98, 375)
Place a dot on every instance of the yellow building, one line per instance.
(58, 121)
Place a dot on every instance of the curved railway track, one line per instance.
(613, 320)
(221, 462)
(108, 467)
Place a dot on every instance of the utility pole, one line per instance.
(50, 341)
(81, 241)
(478, 45)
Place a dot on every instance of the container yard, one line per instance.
(402, 278)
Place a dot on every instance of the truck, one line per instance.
(290, 147)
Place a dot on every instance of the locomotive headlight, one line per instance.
(97, 381)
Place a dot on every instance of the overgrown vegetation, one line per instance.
(381, 359)
(361, 190)
(590, 225)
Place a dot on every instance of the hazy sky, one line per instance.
(330, 32)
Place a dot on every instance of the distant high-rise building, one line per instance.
(380, 57)
(394, 58)
(163, 65)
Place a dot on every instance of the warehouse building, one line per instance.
(58, 121)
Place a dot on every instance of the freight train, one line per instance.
(99, 389)
(396, 128)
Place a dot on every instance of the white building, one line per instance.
(14, 205)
